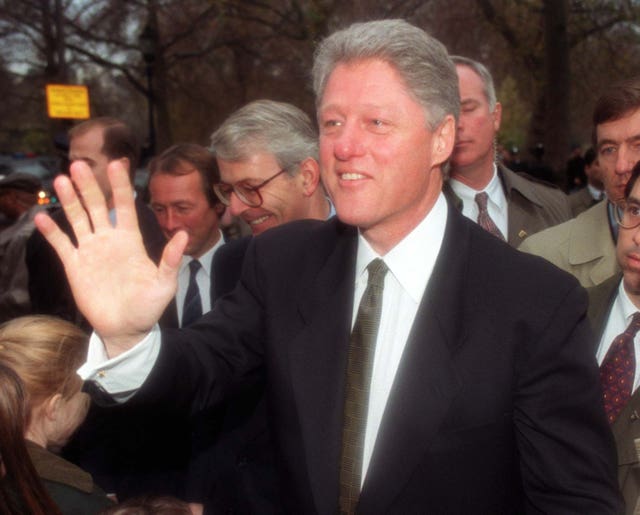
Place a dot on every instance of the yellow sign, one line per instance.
(64, 101)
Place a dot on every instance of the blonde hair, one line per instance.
(45, 352)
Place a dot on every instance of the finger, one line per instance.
(123, 198)
(92, 196)
(76, 215)
(172, 255)
(56, 238)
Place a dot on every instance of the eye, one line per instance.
(633, 210)
(330, 125)
(607, 150)
(158, 209)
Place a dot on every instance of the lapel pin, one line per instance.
(522, 234)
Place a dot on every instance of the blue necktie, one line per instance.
(192, 302)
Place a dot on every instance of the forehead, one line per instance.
(163, 184)
(91, 140)
(469, 81)
(258, 166)
(621, 129)
(368, 81)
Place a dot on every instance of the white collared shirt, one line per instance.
(619, 319)
(497, 205)
(203, 278)
(410, 265)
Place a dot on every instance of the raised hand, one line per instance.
(120, 291)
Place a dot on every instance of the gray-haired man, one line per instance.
(463, 387)
(517, 205)
(267, 153)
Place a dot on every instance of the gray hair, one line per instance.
(420, 60)
(277, 128)
(484, 74)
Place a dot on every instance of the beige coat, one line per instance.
(582, 246)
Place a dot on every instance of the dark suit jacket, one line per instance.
(495, 407)
(49, 289)
(532, 205)
(626, 428)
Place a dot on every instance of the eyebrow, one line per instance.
(632, 139)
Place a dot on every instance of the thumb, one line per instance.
(171, 256)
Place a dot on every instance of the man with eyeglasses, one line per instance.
(614, 313)
(585, 245)
(267, 153)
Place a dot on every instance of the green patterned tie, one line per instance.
(362, 347)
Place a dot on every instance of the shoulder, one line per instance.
(534, 190)
(601, 298)
(232, 250)
(54, 468)
(303, 235)
(584, 226)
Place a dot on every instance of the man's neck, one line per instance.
(477, 176)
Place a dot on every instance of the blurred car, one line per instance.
(36, 167)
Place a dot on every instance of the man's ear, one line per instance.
(497, 116)
(444, 137)
(309, 174)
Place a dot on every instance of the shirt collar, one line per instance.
(494, 190)
(411, 260)
(628, 308)
(205, 259)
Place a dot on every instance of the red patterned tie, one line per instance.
(484, 220)
(618, 369)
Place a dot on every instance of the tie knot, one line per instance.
(377, 270)
(481, 200)
(194, 266)
(634, 325)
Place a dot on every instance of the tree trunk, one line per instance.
(558, 86)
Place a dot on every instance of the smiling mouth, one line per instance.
(352, 176)
(258, 221)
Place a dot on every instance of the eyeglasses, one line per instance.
(627, 214)
(247, 193)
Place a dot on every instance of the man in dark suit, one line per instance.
(612, 307)
(593, 191)
(515, 206)
(95, 142)
(480, 398)
(181, 194)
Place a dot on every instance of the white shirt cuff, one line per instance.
(123, 375)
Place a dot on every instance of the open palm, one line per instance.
(120, 291)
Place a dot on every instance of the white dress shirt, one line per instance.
(410, 265)
(497, 205)
(203, 279)
(619, 319)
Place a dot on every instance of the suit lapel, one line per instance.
(317, 358)
(426, 382)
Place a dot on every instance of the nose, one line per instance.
(627, 157)
(636, 235)
(170, 221)
(236, 206)
(349, 142)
